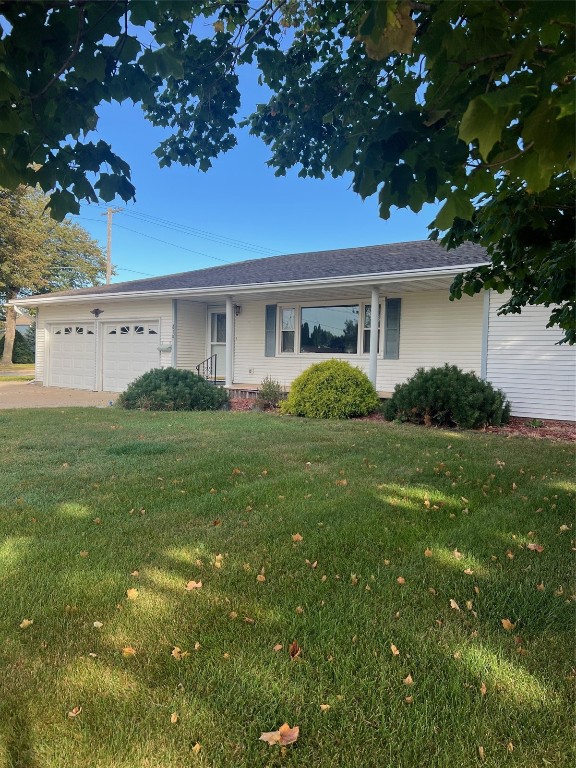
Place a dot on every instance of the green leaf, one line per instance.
(481, 122)
(458, 205)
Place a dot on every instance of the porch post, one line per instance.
(374, 327)
(229, 339)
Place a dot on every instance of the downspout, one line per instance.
(229, 340)
(174, 332)
(485, 329)
(374, 328)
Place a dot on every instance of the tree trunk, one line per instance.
(9, 336)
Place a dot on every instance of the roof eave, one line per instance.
(254, 288)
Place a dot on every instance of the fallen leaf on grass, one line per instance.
(408, 680)
(193, 585)
(260, 577)
(135, 573)
(196, 748)
(395, 651)
(535, 547)
(299, 610)
(294, 650)
(540, 587)
(507, 624)
(354, 579)
(128, 651)
(483, 689)
(428, 553)
(74, 712)
(283, 736)
(132, 594)
(25, 623)
(179, 654)
(218, 561)
(409, 699)
(174, 717)
(248, 620)
(297, 537)
(454, 605)
(98, 625)
(84, 553)
(481, 748)
(401, 580)
(312, 565)
(468, 571)
(324, 707)
(457, 555)
(278, 647)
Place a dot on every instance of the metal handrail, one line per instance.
(207, 369)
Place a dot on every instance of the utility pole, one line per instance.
(109, 213)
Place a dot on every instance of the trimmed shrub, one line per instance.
(448, 397)
(270, 394)
(331, 390)
(22, 352)
(171, 389)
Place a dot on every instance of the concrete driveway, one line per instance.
(18, 394)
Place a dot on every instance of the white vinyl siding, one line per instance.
(523, 359)
(433, 331)
(190, 334)
(159, 310)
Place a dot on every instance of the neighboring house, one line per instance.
(276, 316)
(23, 323)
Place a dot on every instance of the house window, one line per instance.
(112, 332)
(124, 329)
(329, 329)
(288, 329)
(90, 333)
(152, 331)
(67, 330)
(139, 329)
(368, 328)
(79, 330)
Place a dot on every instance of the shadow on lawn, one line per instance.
(16, 733)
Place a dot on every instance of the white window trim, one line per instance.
(297, 307)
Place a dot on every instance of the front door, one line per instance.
(217, 323)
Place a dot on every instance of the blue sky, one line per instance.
(239, 200)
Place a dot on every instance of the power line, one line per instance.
(165, 242)
(202, 233)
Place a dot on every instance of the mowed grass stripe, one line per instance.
(96, 502)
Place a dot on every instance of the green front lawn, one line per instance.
(390, 554)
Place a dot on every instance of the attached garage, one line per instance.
(101, 355)
(129, 349)
(72, 355)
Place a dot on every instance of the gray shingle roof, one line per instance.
(347, 262)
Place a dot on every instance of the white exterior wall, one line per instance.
(146, 310)
(523, 359)
(433, 331)
(190, 334)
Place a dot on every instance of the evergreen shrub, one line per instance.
(331, 390)
(172, 389)
(448, 397)
(270, 394)
(22, 352)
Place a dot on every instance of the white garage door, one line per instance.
(129, 349)
(72, 353)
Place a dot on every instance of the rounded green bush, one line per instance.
(331, 390)
(172, 389)
(448, 397)
(22, 351)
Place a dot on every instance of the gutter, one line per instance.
(251, 288)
